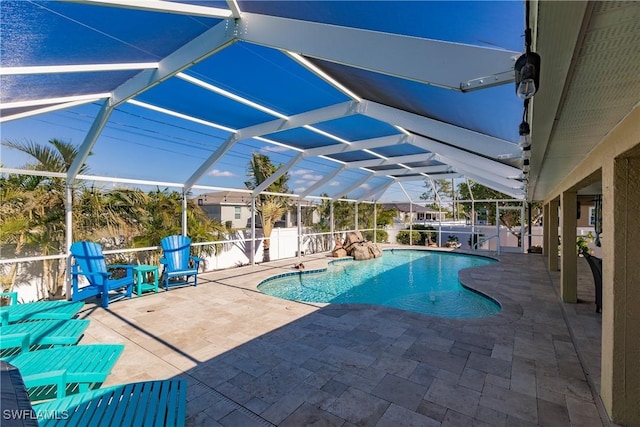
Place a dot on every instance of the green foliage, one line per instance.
(403, 237)
(381, 236)
(33, 213)
(442, 186)
(421, 235)
(270, 207)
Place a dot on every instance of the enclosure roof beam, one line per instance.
(396, 55)
(349, 189)
(322, 182)
(412, 171)
(313, 116)
(465, 139)
(365, 144)
(377, 191)
(283, 169)
(423, 157)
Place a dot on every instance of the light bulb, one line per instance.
(527, 86)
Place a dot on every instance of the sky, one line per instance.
(138, 143)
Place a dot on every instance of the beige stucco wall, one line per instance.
(616, 161)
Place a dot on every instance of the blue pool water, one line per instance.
(420, 281)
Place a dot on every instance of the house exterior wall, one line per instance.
(616, 162)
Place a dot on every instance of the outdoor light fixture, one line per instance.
(527, 71)
(527, 67)
(524, 130)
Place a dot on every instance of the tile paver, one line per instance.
(252, 359)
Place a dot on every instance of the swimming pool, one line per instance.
(420, 281)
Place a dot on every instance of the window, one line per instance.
(237, 212)
(200, 202)
(592, 216)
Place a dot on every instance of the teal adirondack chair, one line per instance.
(89, 262)
(159, 403)
(180, 268)
(83, 367)
(43, 333)
(40, 310)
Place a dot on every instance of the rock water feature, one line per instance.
(357, 247)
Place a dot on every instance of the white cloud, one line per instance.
(299, 190)
(311, 177)
(366, 186)
(300, 172)
(217, 172)
(334, 184)
(273, 149)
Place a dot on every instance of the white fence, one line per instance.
(284, 244)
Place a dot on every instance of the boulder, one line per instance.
(338, 252)
(361, 252)
(357, 247)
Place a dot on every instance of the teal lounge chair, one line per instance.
(89, 262)
(149, 403)
(32, 335)
(84, 367)
(180, 268)
(40, 310)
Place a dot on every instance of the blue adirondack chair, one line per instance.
(179, 267)
(89, 262)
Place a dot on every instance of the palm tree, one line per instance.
(270, 207)
(45, 226)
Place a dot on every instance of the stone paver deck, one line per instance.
(255, 360)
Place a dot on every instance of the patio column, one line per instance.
(568, 251)
(545, 230)
(620, 382)
(552, 254)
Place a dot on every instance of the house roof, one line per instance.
(407, 207)
(365, 94)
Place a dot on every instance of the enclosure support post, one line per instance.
(299, 228)
(253, 230)
(375, 222)
(184, 213)
(356, 219)
(410, 223)
(473, 224)
(332, 225)
(68, 236)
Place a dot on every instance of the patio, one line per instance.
(251, 359)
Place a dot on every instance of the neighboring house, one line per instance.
(232, 209)
(586, 211)
(414, 212)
